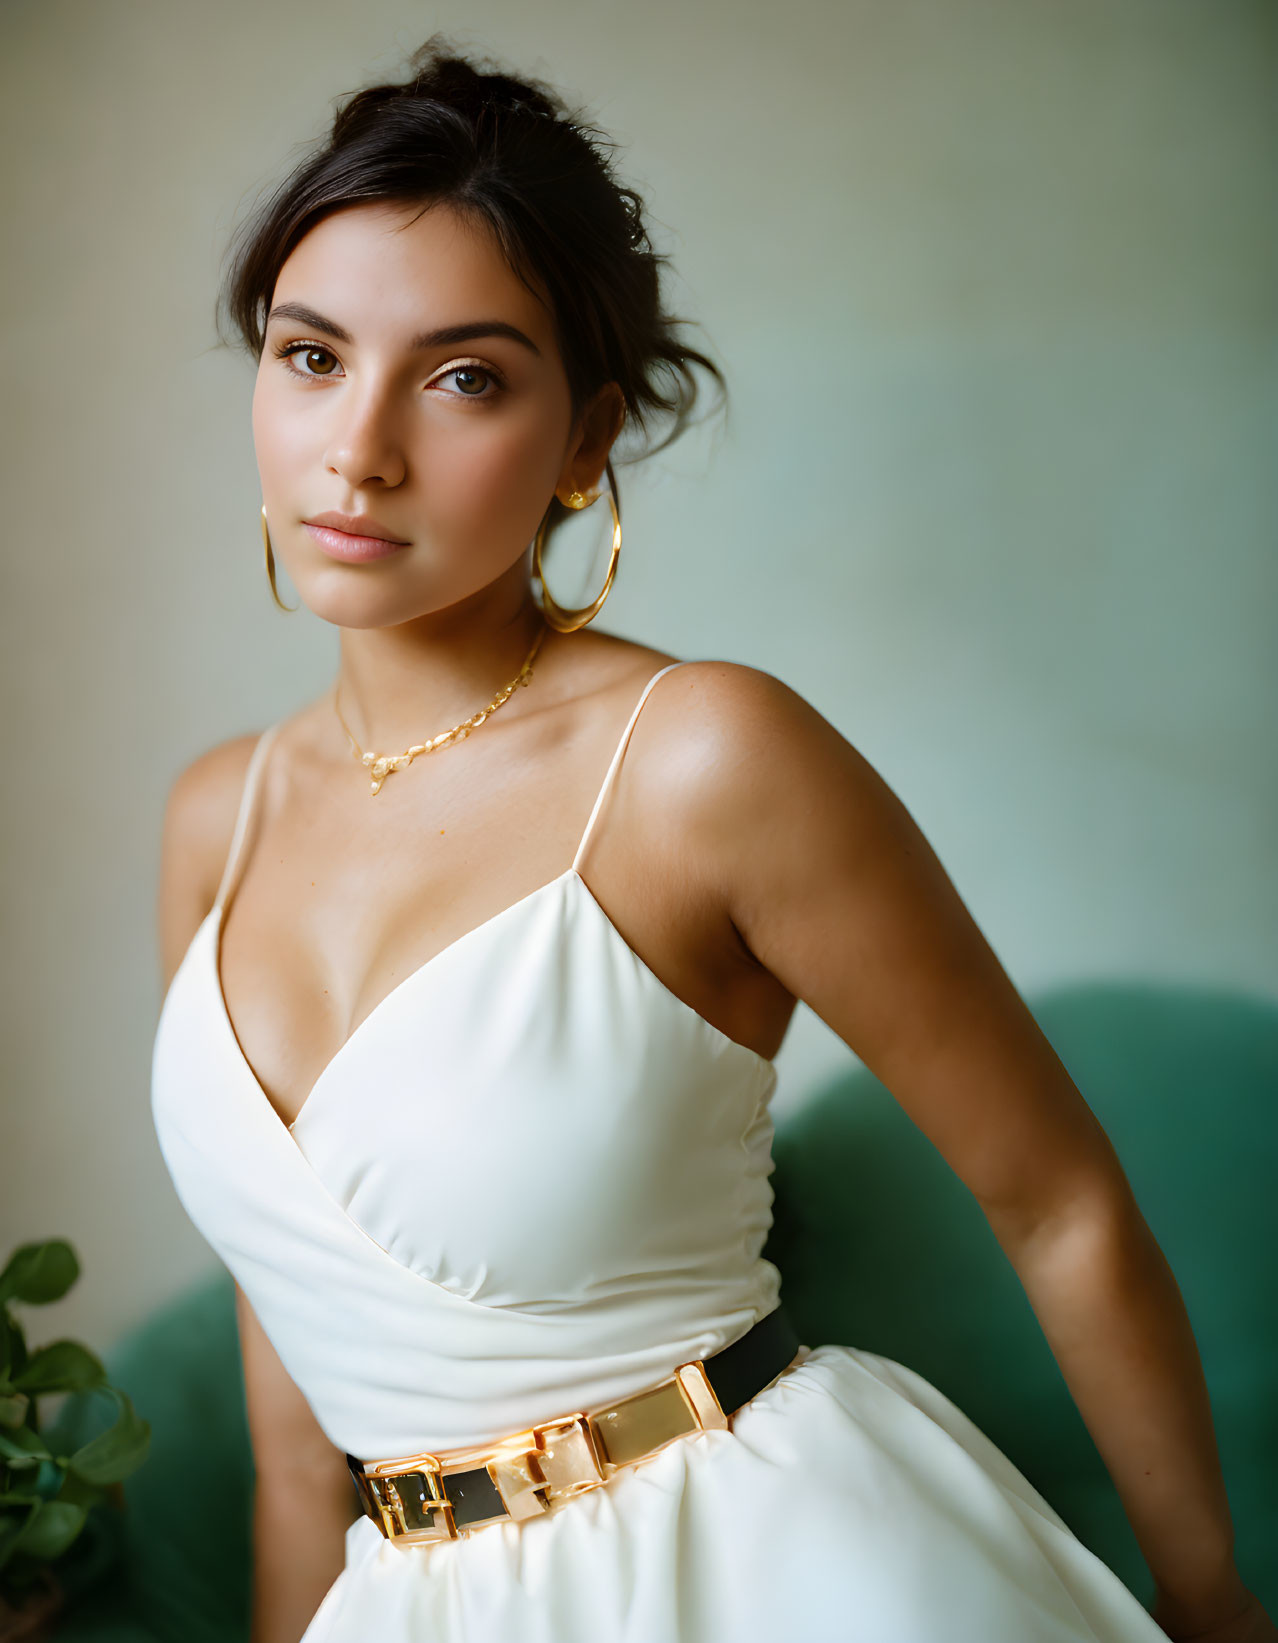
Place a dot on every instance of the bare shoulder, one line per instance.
(732, 697)
(202, 801)
(765, 793)
(199, 818)
(738, 742)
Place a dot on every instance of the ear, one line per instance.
(596, 429)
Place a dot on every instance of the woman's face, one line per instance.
(370, 401)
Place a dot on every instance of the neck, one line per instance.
(402, 685)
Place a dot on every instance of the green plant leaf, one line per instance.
(20, 1447)
(62, 1366)
(38, 1273)
(51, 1529)
(119, 1450)
(76, 1492)
(13, 1408)
(13, 1346)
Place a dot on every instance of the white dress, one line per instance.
(532, 1181)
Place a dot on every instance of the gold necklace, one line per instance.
(381, 764)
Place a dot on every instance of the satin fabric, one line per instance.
(532, 1181)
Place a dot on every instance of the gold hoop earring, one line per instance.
(558, 616)
(270, 566)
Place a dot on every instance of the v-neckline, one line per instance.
(215, 919)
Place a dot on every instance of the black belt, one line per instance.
(418, 1499)
(739, 1371)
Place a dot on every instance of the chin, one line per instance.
(347, 600)
(361, 615)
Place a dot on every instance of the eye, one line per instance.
(308, 350)
(472, 380)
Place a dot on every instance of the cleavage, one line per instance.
(261, 986)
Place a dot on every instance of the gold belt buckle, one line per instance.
(565, 1458)
(406, 1497)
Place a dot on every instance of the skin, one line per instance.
(749, 855)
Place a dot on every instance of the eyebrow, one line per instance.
(444, 336)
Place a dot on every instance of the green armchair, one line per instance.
(880, 1246)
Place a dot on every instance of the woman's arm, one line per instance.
(303, 1497)
(303, 1500)
(834, 889)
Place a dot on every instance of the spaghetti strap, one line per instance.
(245, 813)
(616, 761)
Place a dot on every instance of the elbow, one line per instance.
(1084, 1220)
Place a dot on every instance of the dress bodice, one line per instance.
(532, 1180)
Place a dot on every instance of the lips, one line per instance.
(354, 538)
(358, 525)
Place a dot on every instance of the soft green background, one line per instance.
(994, 285)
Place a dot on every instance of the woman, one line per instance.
(483, 1137)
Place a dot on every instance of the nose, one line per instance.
(365, 445)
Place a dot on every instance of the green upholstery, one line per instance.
(183, 1542)
(880, 1246)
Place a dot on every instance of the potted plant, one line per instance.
(46, 1493)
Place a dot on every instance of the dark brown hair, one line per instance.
(507, 153)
